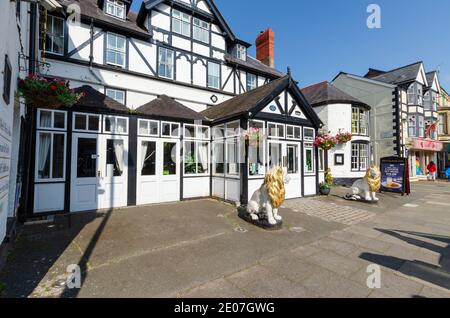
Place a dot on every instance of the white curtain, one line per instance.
(203, 155)
(44, 153)
(118, 151)
(144, 150)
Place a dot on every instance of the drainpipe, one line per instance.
(25, 201)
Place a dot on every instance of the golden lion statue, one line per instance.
(367, 188)
(269, 198)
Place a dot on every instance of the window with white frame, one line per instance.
(309, 134)
(171, 130)
(427, 104)
(360, 121)
(213, 75)
(321, 160)
(51, 156)
(196, 157)
(115, 125)
(293, 132)
(115, 50)
(219, 157)
(116, 94)
(411, 94)
(443, 124)
(86, 122)
(115, 8)
(181, 23)
(201, 30)
(148, 128)
(241, 52)
(412, 123)
(232, 157)
(360, 156)
(166, 62)
(256, 149)
(54, 35)
(421, 126)
(276, 130)
(51, 119)
(196, 132)
(252, 81)
(309, 165)
(233, 129)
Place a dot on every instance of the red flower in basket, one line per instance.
(53, 87)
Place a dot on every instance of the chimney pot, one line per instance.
(265, 47)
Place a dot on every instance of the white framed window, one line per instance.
(201, 30)
(54, 35)
(233, 129)
(219, 158)
(51, 119)
(218, 132)
(165, 63)
(256, 150)
(309, 165)
(116, 94)
(252, 81)
(115, 125)
(171, 130)
(321, 160)
(181, 23)
(421, 126)
(115, 8)
(198, 132)
(360, 121)
(360, 156)
(443, 124)
(241, 52)
(196, 157)
(411, 94)
(213, 75)
(275, 130)
(148, 128)
(412, 123)
(232, 157)
(50, 156)
(86, 122)
(293, 132)
(116, 50)
(309, 134)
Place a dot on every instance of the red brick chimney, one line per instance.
(265, 47)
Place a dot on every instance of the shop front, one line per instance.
(420, 153)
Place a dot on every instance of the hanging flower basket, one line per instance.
(41, 92)
(343, 137)
(254, 136)
(325, 142)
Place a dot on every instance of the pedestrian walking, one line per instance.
(432, 170)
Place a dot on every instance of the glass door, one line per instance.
(292, 169)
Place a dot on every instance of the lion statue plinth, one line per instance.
(366, 189)
(262, 210)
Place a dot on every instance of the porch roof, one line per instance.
(97, 101)
(167, 107)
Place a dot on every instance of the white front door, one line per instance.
(286, 154)
(158, 177)
(85, 181)
(99, 172)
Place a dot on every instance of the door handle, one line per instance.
(99, 174)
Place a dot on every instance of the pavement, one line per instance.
(328, 247)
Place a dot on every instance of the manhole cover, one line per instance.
(240, 230)
(297, 229)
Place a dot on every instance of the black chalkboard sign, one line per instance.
(394, 175)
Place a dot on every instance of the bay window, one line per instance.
(412, 126)
(115, 50)
(360, 156)
(166, 63)
(420, 126)
(213, 75)
(201, 30)
(443, 124)
(360, 121)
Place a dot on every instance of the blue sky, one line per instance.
(320, 38)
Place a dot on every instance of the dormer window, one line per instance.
(201, 30)
(115, 8)
(241, 52)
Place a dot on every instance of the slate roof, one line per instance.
(90, 9)
(166, 107)
(430, 77)
(97, 101)
(325, 93)
(255, 100)
(400, 75)
(244, 103)
(254, 64)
